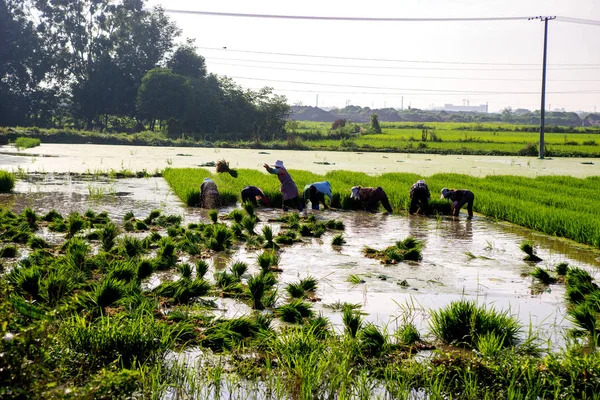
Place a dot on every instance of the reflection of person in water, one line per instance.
(316, 192)
(253, 195)
(459, 198)
(419, 198)
(460, 231)
(419, 227)
(209, 194)
(370, 197)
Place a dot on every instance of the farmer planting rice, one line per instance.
(459, 198)
(209, 194)
(253, 195)
(419, 198)
(370, 197)
(288, 189)
(316, 192)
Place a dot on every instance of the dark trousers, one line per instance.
(467, 199)
(295, 201)
(419, 202)
(316, 197)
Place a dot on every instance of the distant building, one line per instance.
(482, 108)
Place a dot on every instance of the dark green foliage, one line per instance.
(249, 208)
(319, 327)
(543, 276)
(129, 216)
(562, 268)
(462, 322)
(76, 251)
(309, 284)
(31, 218)
(407, 249)
(149, 220)
(8, 251)
(335, 224)
(131, 246)
(140, 226)
(249, 223)
(145, 269)
(108, 233)
(75, 223)
(168, 220)
(52, 215)
(585, 317)
(26, 143)
(528, 248)
(579, 284)
(128, 226)
(295, 290)
(352, 322)
(56, 286)
(286, 237)
(408, 335)
(218, 237)
(184, 290)
(227, 334)
(108, 292)
(123, 271)
(372, 341)
(236, 215)
(238, 269)
(185, 270)
(213, 215)
(27, 280)
(258, 286)
(338, 240)
(201, 268)
(295, 311)
(7, 181)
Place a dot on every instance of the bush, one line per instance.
(26, 143)
(7, 181)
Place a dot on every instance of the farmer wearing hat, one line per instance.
(253, 194)
(459, 198)
(370, 197)
(419, 198)
(316, 192)
(288, 189)
(209, 194)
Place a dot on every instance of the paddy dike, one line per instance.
(478, 259)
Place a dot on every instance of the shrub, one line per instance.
(7, 181)
(26, 143)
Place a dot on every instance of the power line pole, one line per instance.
(543, 106)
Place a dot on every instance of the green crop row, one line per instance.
(560, 206)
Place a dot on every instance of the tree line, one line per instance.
(118, 66)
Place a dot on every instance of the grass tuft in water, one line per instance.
(562, 269)
(9, 251)
(249, 208)
(214, 216)
(201, 268)
(529, 249)
(372, 340)
(338, 240)
(108, 234)
(295, 311)
(7, 181)
(543, 276)
(352, 322)
(408, 335)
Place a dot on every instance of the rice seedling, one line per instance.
(108, 233)
(145, 268)
(168, 220)
(76, 252)
(201, 268)
(184, 290)
(131, 246)
(562, 269)
(7, 181)
(75, 223)
(218, 237)
(355, 279)
(408, 335)
(214, 216)
(543, 276)
(238, 269)
(122, 270)
(56, 286)
(352, 321)
(128, 226)
(129, 216)
(227, 334)
(528, 248)
(372, 341)
(8, 251)
(579, 284)
(249, 208)
(295, 290)
(407, 249)
(267, 232)
(154, 214)
(106, 293)
(335, 224)
(462, 322)
(140, 226)
(27, 280)
(51, 216)
(151, 239)
(249, 223)
(31, 218)
(26, 142)
(267, 260)
(258, 286)
(295, 311)
(286, 237)
(490, 345)
(236, 215)
(185, 270)
(585, 317)
(338, 240)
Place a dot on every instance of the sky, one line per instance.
(401, 64)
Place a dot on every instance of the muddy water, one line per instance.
(84, 158)
(478, 259)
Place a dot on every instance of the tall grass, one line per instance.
(7, 181)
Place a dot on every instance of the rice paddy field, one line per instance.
(122, 288)
(456, 138)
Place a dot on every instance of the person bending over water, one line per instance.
(370, 197)
(459, 198)
(288, 189)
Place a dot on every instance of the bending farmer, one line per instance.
(371, 197)
(316, 192)
(459, 198)
(419, 198)
(254, 194)
(209, 194)
(288, 189)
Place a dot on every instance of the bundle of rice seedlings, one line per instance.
(131, 246)
(408, 335)
(9, 251)
(335, 224)
(543, 276)
(27, 280)
(145, 268)
(579, 284)
(7, 181)
(31, 218)
(36, 242)
(319, 327)
(76, 252)
(107, 236)
(222, 166)
(129, 216)
(56, 286)
(258, 286)
(52, 215)
(185, 270)
(122, 270)
(236, 215)
(295, 290)
(585, 317)
(286, 237)
(562, 268)
(249, 223)
(238, 269)
(214, 216)
(75, 223)
(338, 240)
(108, 292)
(528, 248)
(201, 268)
(352, 322)
(267, 232)
(218, 237)
(249, 208)
(149, 220)
(295, 312)
(372, 341)
(140, 226)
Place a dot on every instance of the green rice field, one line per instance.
(557, 205)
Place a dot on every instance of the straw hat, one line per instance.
(278, 164)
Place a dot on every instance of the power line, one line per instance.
(397, 67)
(578, 21)
(379, 59)
(402, 76)
(355, 19)
(404, 89)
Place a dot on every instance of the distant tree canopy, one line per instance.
(114, 65)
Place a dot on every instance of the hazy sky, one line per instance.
(494, 62)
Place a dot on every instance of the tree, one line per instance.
(163, 95)
(375, 123)
(185, 61)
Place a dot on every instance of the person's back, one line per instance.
(209, 194)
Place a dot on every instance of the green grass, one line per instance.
(26, 143)
(7, 181)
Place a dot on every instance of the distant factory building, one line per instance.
(482, 108)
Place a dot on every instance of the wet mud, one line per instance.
(477, 259)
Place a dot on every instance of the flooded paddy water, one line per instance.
(478, 259)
